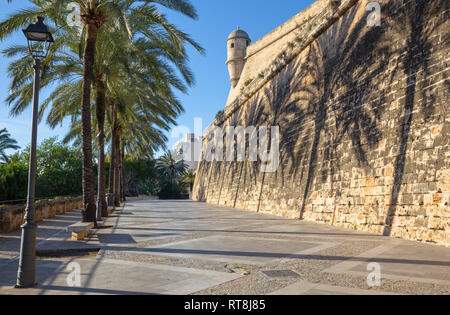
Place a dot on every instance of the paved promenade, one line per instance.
(184, 247)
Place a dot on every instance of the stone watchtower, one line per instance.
(237, 50)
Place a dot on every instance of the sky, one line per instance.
(217, 19)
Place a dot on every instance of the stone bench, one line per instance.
(80, 230)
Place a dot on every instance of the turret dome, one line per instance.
(238, 34)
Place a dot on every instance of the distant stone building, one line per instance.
(360, 91)
(189, 150)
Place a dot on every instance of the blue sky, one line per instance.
(217, 18)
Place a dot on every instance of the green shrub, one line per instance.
(248, 82)
(13, 181)
(219, 114)
(58, 173)
(172, 191)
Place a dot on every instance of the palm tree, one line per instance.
(6, 142)
(171, 168)
(189, 178)
(94, 14)
(130, 15)
(141, 96)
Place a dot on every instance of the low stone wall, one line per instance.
(11, 218)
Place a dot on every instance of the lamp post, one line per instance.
(39, 41)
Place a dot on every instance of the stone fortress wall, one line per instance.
(364, 121)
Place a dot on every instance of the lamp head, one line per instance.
(39, 38)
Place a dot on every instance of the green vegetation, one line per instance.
(238, 269)
(188, 179)
(59, 168)
(170, 168)
(219, 114)
(167, 177)
(6, 142)
(13, 180)
(58, 172)
(142, 176)
(171, 171)
(248, 82)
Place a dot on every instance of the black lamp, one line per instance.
(39, 41)
(39, 38)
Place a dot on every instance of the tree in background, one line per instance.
(6, 142)
(58, 172)
(13, 180)
(171, 171)
(170, 167)
(141, 177)
(189, 178)
(59, 169)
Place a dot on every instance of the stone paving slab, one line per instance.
(403, 261)
(230, 249)
(209, 225)
(309, 288)
(312, 230)
(51, 234)
(124, 236)
(106, 276)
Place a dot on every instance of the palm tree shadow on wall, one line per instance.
(250, 115)
(341, 65)
(283, 103)
(230, 167)
(253, 116)
(249, 118)
(276, 103)
(359, 57)
(414, 21)
(341, 100)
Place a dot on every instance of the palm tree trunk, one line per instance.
(101, 93)
(89, 210)
(112, 155)
(112, 166)
(117, 165)
(122, 172)
(111, 171)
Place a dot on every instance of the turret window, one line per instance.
(232, 45)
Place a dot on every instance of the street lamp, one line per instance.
(39, 41)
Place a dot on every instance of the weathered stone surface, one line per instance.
(363, 117)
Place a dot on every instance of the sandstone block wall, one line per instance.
(364, 123)
(11, 218)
